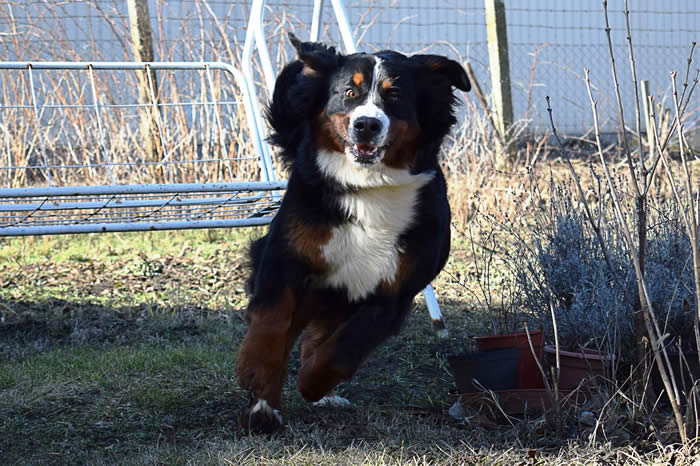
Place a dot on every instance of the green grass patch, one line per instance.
(120, 349)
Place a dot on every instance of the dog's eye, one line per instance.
(350, 93)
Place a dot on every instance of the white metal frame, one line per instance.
(37, 209)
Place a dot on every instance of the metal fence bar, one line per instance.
(114, 203)
(158, 188)
(159, 124)
(316, 21)
(344, 26)
(223, 207)
(130, 226)
(117, 164)
(37, 119)
(98, 115)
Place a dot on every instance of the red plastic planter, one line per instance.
(494, 370)
(529, 375)
(577, 366)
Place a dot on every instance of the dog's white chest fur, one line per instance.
(365, 251)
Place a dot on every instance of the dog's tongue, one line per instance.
(365, 149)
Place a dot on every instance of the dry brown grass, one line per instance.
(121, 349)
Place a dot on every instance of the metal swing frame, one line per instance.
(44, 210)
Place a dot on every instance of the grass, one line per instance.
(121, 349)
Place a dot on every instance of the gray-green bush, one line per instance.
(593, 300)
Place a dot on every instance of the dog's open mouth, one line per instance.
(365, 154)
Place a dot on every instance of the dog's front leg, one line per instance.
(262, 360)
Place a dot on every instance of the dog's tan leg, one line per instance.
(332, 351)
(318, 376)
(262, 360)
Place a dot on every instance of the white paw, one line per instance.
(263, 408)
(260, 418)
(333, 400)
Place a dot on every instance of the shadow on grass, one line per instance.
(76, 377)
(29, 326)
(81, 378)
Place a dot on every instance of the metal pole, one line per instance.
(316, 21)
(251, 38)
(344, 26)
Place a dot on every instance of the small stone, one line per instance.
(458, 412)
(587, 418)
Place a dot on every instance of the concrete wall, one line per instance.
(568, 36)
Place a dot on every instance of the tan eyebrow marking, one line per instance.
(387, 83)
(357, 78)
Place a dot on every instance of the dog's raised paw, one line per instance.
(333, 400)
(260, 418)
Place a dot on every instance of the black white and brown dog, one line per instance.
(364, 225)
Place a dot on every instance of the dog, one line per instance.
(364, 224)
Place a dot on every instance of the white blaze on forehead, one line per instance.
(369, 108)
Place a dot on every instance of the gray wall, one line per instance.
(567, 35)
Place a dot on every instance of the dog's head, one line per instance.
(376, 110)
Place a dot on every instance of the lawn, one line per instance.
(121, 348)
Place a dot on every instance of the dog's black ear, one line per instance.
(443, 66)
(317, 58)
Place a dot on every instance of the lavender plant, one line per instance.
(594, 306)
(565, 268)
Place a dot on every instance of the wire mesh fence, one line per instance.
(65, 124)
(549, 42)
(135, 208)
(84, 151)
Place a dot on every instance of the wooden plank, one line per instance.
(647, 115)
(498, 62)
(142, 48)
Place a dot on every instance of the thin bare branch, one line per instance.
(647, 310)
(652, 170)
(620, 110)
(637, 113)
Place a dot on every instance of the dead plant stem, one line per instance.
(647, 311)
(620, 111)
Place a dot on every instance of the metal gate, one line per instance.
(74, 143)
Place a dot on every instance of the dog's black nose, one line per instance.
(367, 126)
